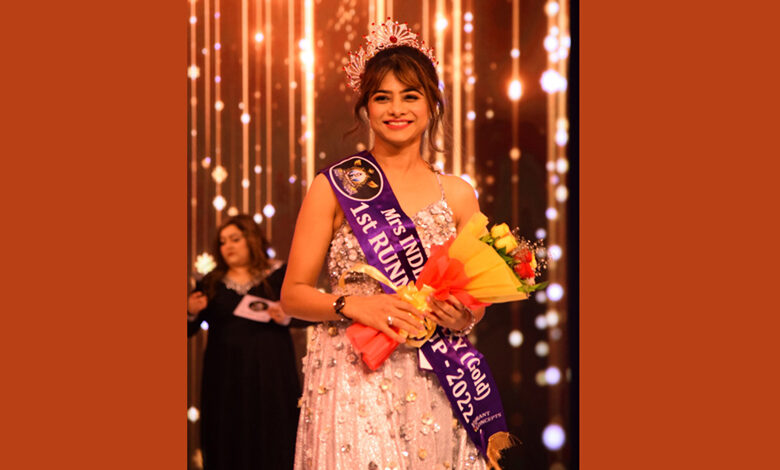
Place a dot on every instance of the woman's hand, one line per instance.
(382, 310)
(196, 302)
(450, 313)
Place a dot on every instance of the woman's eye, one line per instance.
(380, 98)
(412, 97)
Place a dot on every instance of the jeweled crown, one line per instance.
(386, 35)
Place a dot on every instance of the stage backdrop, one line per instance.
(269, 106)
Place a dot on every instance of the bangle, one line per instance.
(338, 305)
(465, 331)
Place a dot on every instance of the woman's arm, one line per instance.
(300, 299)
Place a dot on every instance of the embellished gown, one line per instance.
(396, 417)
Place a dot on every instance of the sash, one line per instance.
(391, 244)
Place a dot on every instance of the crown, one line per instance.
(387, 35)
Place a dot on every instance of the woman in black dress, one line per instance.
(249, 409)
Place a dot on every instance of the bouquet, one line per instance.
(478, 267)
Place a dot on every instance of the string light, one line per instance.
(553, 437)
(515, 90)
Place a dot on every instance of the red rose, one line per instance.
(523, 256)
(524, 270)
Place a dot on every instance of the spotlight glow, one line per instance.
(515, 53)
(258, 169)
(562, 165)
(441, 23)
(555, 252)
(540, 233)
(193, 414)
(551, 213)
(193, 72)
(552, 375)
(245, 118)
(258, 218)
(514, 154)
(219, 174)
(552, 81)
(471, 115)
(269, 210)
(244, 183)
(468, 16)
(259, 37)
(515, 338)
(271, 252)
(206, 162)
(561, 193)
(193, 19)
(551, 8)
(542, 349)
(219, 203)
(552, 317)
(204, 325)
(541, 322)
(468, 27)
(553, 437)
(515, 90)
(292, 179)
(555, 292)
(551, 43)
(219, 105)
(233, 211)
(541, 297)
(561, 137)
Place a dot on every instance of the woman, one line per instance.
(250, 384)
(397, 416)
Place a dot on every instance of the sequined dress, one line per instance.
(396, 417)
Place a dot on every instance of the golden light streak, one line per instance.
(309, 78)
(268, 169)
(457, 88)
(389, 11)
(440, 56)
(193, 135)
(380, 11)
(258, 105)
(291, 147)
(245, 100)
(207, 98)
(217, 99)
(470, 105)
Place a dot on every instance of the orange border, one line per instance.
(678, 170)
(94, 168)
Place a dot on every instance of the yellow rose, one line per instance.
(507, 241)
(498, 231)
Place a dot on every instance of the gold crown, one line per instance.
(387, 35)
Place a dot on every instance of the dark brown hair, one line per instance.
(412, 68)
(255, 242)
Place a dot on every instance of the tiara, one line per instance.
(387, 35)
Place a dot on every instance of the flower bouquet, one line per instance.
(478, 267)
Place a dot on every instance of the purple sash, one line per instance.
(390, 243)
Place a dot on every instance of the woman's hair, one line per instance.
(412, 68)
(255, 242)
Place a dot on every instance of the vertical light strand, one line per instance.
(471, 114)
(309, 77)
(514, 156)
(554, 83)
(441, 25)
(389, 9)
(457, 89)
(268, 168)
(371, 14)
(292, 86)
(245, 116)
(380, 11)
(193, 73)
(259, 39)
(219, 201)
(207, 107)
(426, 13)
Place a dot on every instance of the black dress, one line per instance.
(249, 412)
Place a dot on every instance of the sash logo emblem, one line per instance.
(357, 179)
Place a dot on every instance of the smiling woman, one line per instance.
(380, 207)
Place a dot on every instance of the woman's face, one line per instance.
(232, 245)
(398, 114)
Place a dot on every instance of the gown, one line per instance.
(248, 410)
(395, 418)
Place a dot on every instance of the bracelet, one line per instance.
(338, 305)
(465, 331)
